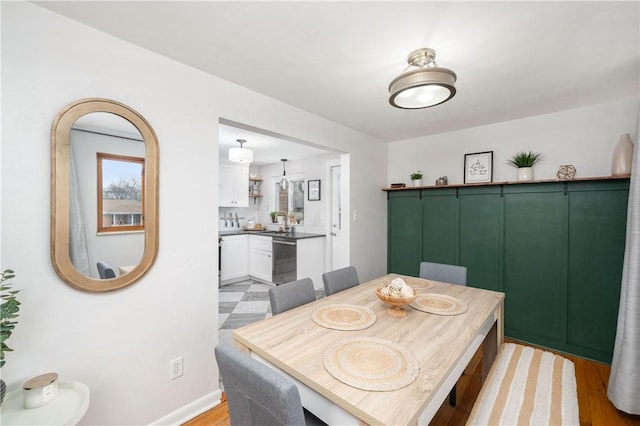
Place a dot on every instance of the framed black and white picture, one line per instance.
(313, 193)
(478, 167)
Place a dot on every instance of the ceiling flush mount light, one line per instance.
(423, 84)
(240, 155)
(284, 182)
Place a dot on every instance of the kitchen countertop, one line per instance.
(286, 235)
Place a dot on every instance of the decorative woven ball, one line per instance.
(566, 172)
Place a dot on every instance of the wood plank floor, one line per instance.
(591, 377)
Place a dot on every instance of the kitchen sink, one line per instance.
(282, 234)
(278, 234)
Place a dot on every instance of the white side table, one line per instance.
(67, 408)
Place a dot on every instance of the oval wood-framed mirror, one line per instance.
(60, 195)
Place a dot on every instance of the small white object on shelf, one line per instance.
(67, 408)
(40, 390)
(622, 156)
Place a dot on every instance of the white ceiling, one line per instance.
(336, 59)
(267, 148)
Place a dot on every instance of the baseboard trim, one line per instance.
(191, 410)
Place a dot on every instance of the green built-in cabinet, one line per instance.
(440, 223)
(535, 262)
(481, 235)
(555, 248)
(404, 232)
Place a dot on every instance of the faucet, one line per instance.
(287, 222)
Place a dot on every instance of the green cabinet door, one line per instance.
(535, 262)
(597, 228)
(404, 232)
(440, 226)
(481, 235)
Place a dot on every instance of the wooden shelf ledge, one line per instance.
(511, 182)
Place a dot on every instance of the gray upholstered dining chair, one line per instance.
(340, 279)
(291, 295)
(105, 271)
(452, 274)
(257, 394)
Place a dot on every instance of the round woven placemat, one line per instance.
(343, 316)
(419, 284)
(371, 364)
(440, 304)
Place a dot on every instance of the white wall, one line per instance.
(584, 137)
(120, 343)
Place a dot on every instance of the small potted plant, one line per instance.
(525, 161)
(417, 178)
(274, 217)
(8, 315)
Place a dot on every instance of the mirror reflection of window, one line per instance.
(80, 131)
(91, 134)
(120, 193)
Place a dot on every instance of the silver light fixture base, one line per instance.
(421, 57)
(424, 84)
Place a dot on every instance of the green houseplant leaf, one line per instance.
(417, 175)
(525, 159)
(9, 311)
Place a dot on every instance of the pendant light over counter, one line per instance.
(284, 182)
(240, 155)
(422, 84)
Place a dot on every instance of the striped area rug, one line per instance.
(527, 386)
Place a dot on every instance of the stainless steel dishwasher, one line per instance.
(284, 260)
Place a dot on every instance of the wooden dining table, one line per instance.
(440, 346)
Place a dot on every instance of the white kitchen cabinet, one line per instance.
(252, 255)
(233, 186)
(234, 263)
(260, 257)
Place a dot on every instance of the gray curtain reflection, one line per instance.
(78, 251)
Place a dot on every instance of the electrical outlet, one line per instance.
(176, 368)
(356, 215)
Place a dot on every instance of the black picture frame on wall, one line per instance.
(478, 167)
(313, 190)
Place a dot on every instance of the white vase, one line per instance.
(622, 156)
(525, 173)
(417, 182)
